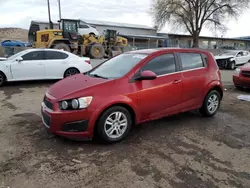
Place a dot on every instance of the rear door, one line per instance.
(30, 68)
(194, 77)
(161, 96)
(55, 64)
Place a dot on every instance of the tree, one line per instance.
(193, 15)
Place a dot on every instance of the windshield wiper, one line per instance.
(98, 76)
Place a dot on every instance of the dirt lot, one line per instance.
(183, 151)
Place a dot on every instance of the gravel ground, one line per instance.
(182, 151)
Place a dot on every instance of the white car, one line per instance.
(84, 29)
(231, 59)
(41, 64)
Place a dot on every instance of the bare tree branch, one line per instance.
(193, 15)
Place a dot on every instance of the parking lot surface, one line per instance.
(182, 151)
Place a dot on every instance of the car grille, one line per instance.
(46, 119)
(48, 104)
(245, 74)
(221, 63)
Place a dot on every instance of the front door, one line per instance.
(30, 68)
(159, 97)
(239, 58)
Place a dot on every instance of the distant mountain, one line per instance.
(13, 34)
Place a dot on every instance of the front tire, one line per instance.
(232, 65)
(114, 124)
(96, 51)
(2, 79)
(211, 104)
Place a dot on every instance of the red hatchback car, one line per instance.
(132, 88)
(241, 76)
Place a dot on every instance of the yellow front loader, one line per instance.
(68, 39)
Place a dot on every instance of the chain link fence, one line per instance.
(8, 51)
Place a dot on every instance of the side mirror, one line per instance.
(19, 59)
(146, 75)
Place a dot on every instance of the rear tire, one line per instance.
(96, 51)
(2, 79)
(211, 104)
(114, 124)
(71, 72)
(63, 46)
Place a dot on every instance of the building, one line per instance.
(123, 28)
(206, 42)
(139, 36)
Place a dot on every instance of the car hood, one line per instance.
(246, 67)
(3, 59)
(72, 85)
(223, 56)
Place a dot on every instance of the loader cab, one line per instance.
(110, 35)
(69, 29)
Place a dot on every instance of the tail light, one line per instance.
(87, 61)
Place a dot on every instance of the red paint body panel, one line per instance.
(149, 99)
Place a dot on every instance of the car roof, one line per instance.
(177, 49)
(46, 49)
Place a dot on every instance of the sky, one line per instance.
(19, 13)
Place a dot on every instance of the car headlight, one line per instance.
(64, 105)
(75, 104)
(237, 72)
(232, 59)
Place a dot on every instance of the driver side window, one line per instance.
(163, 64)
(31, 56)
(240, 54)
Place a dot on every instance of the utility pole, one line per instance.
(59, 5)
(50, 22)
(60, 16)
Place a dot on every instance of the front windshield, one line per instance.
(117, 66)
(228, 53)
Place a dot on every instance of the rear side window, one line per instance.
(163, 64)
(191, 61)
(55, 55)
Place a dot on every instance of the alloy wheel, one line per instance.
(116, 125)
(213, 103)
(232, 66)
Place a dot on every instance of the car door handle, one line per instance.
(176, 81)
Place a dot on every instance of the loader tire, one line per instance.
(63, 46)
(96, 51)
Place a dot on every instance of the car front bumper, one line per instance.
(70, 124)
(241, 81)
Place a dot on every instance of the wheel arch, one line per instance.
(6, 78)
(121, 104)
(216, 88)
(70, 68)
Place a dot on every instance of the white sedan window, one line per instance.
(36, 55)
